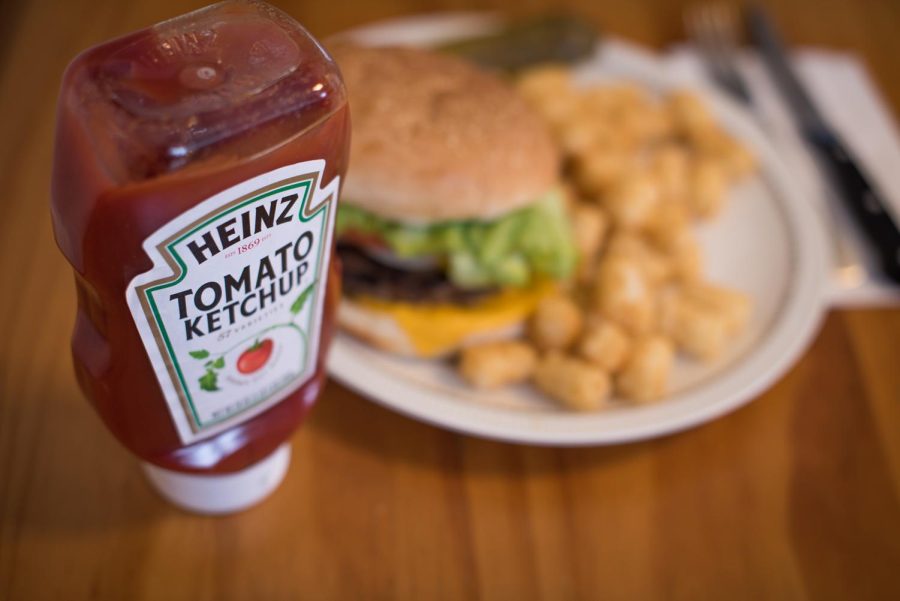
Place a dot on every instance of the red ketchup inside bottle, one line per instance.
(195, 182)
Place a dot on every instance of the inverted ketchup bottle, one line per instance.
(195, 184)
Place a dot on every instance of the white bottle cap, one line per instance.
(222, 493)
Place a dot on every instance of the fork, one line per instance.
(714, 29)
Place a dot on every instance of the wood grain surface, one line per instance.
(796, 496)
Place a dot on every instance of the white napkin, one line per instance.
(845, 94)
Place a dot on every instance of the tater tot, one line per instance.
(580, 133)
(669, 227)
(645, 376)
(709, 183)
(715, 143)
(605, 344)
(556, 109)
(589, 224)
(576, 384)
(709, 140)
(631, 122)
(688, 112)
(556, 323)
(631, 200)
(656, 265)
(629, 95)
(686, 261)
(544, 81)
(598, 101)
(578, 137)
(644, 123)
(600, 166)
(699, 331)
(732, 305)
(549, 91)
(670, 165)
(623, 294)
(667, 306)
(660, 124)
(497, 364)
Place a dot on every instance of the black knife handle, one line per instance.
(864, 203)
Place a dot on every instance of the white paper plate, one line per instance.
(768, 242)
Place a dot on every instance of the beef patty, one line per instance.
(363, 275)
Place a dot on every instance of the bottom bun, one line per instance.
(383, 331)
(430, 331)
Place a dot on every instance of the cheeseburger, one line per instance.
(451, 225)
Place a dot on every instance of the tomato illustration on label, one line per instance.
(255, 357)
(252, 358)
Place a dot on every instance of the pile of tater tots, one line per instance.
(640, 170)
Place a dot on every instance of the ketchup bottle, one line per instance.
(195, 185)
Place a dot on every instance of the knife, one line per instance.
(860, 197)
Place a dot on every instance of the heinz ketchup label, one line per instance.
(230, 314)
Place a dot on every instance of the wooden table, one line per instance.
(795, 496)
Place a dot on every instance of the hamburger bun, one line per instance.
(437, 139)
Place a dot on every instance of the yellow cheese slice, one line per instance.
(433, 329)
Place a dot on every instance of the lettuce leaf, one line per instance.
(533, 242)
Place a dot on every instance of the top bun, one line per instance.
(436, 139)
